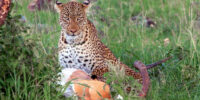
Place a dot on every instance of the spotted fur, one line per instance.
(79, 46)
(4, 9)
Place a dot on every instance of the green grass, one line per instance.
(174, 80)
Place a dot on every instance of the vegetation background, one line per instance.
(31, 72)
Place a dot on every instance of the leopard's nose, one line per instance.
(73, 30)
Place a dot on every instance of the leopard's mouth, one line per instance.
(72, 38)
(71, 34)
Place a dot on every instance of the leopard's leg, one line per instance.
(135, 75)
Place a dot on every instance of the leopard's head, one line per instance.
(73, 19)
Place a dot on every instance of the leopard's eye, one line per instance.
(67, 19)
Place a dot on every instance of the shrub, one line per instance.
(27, 71)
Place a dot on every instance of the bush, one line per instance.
(27, 71)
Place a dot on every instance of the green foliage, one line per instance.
(27, 71)
(119, 83)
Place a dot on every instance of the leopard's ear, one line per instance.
(86, 2)
(58, 6)
(87, 5)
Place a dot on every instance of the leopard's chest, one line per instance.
(76, 57)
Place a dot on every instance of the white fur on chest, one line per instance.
(75, 57)
(70, 39)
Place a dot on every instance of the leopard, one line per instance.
(80, 47)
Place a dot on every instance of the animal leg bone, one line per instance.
(145, 78)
